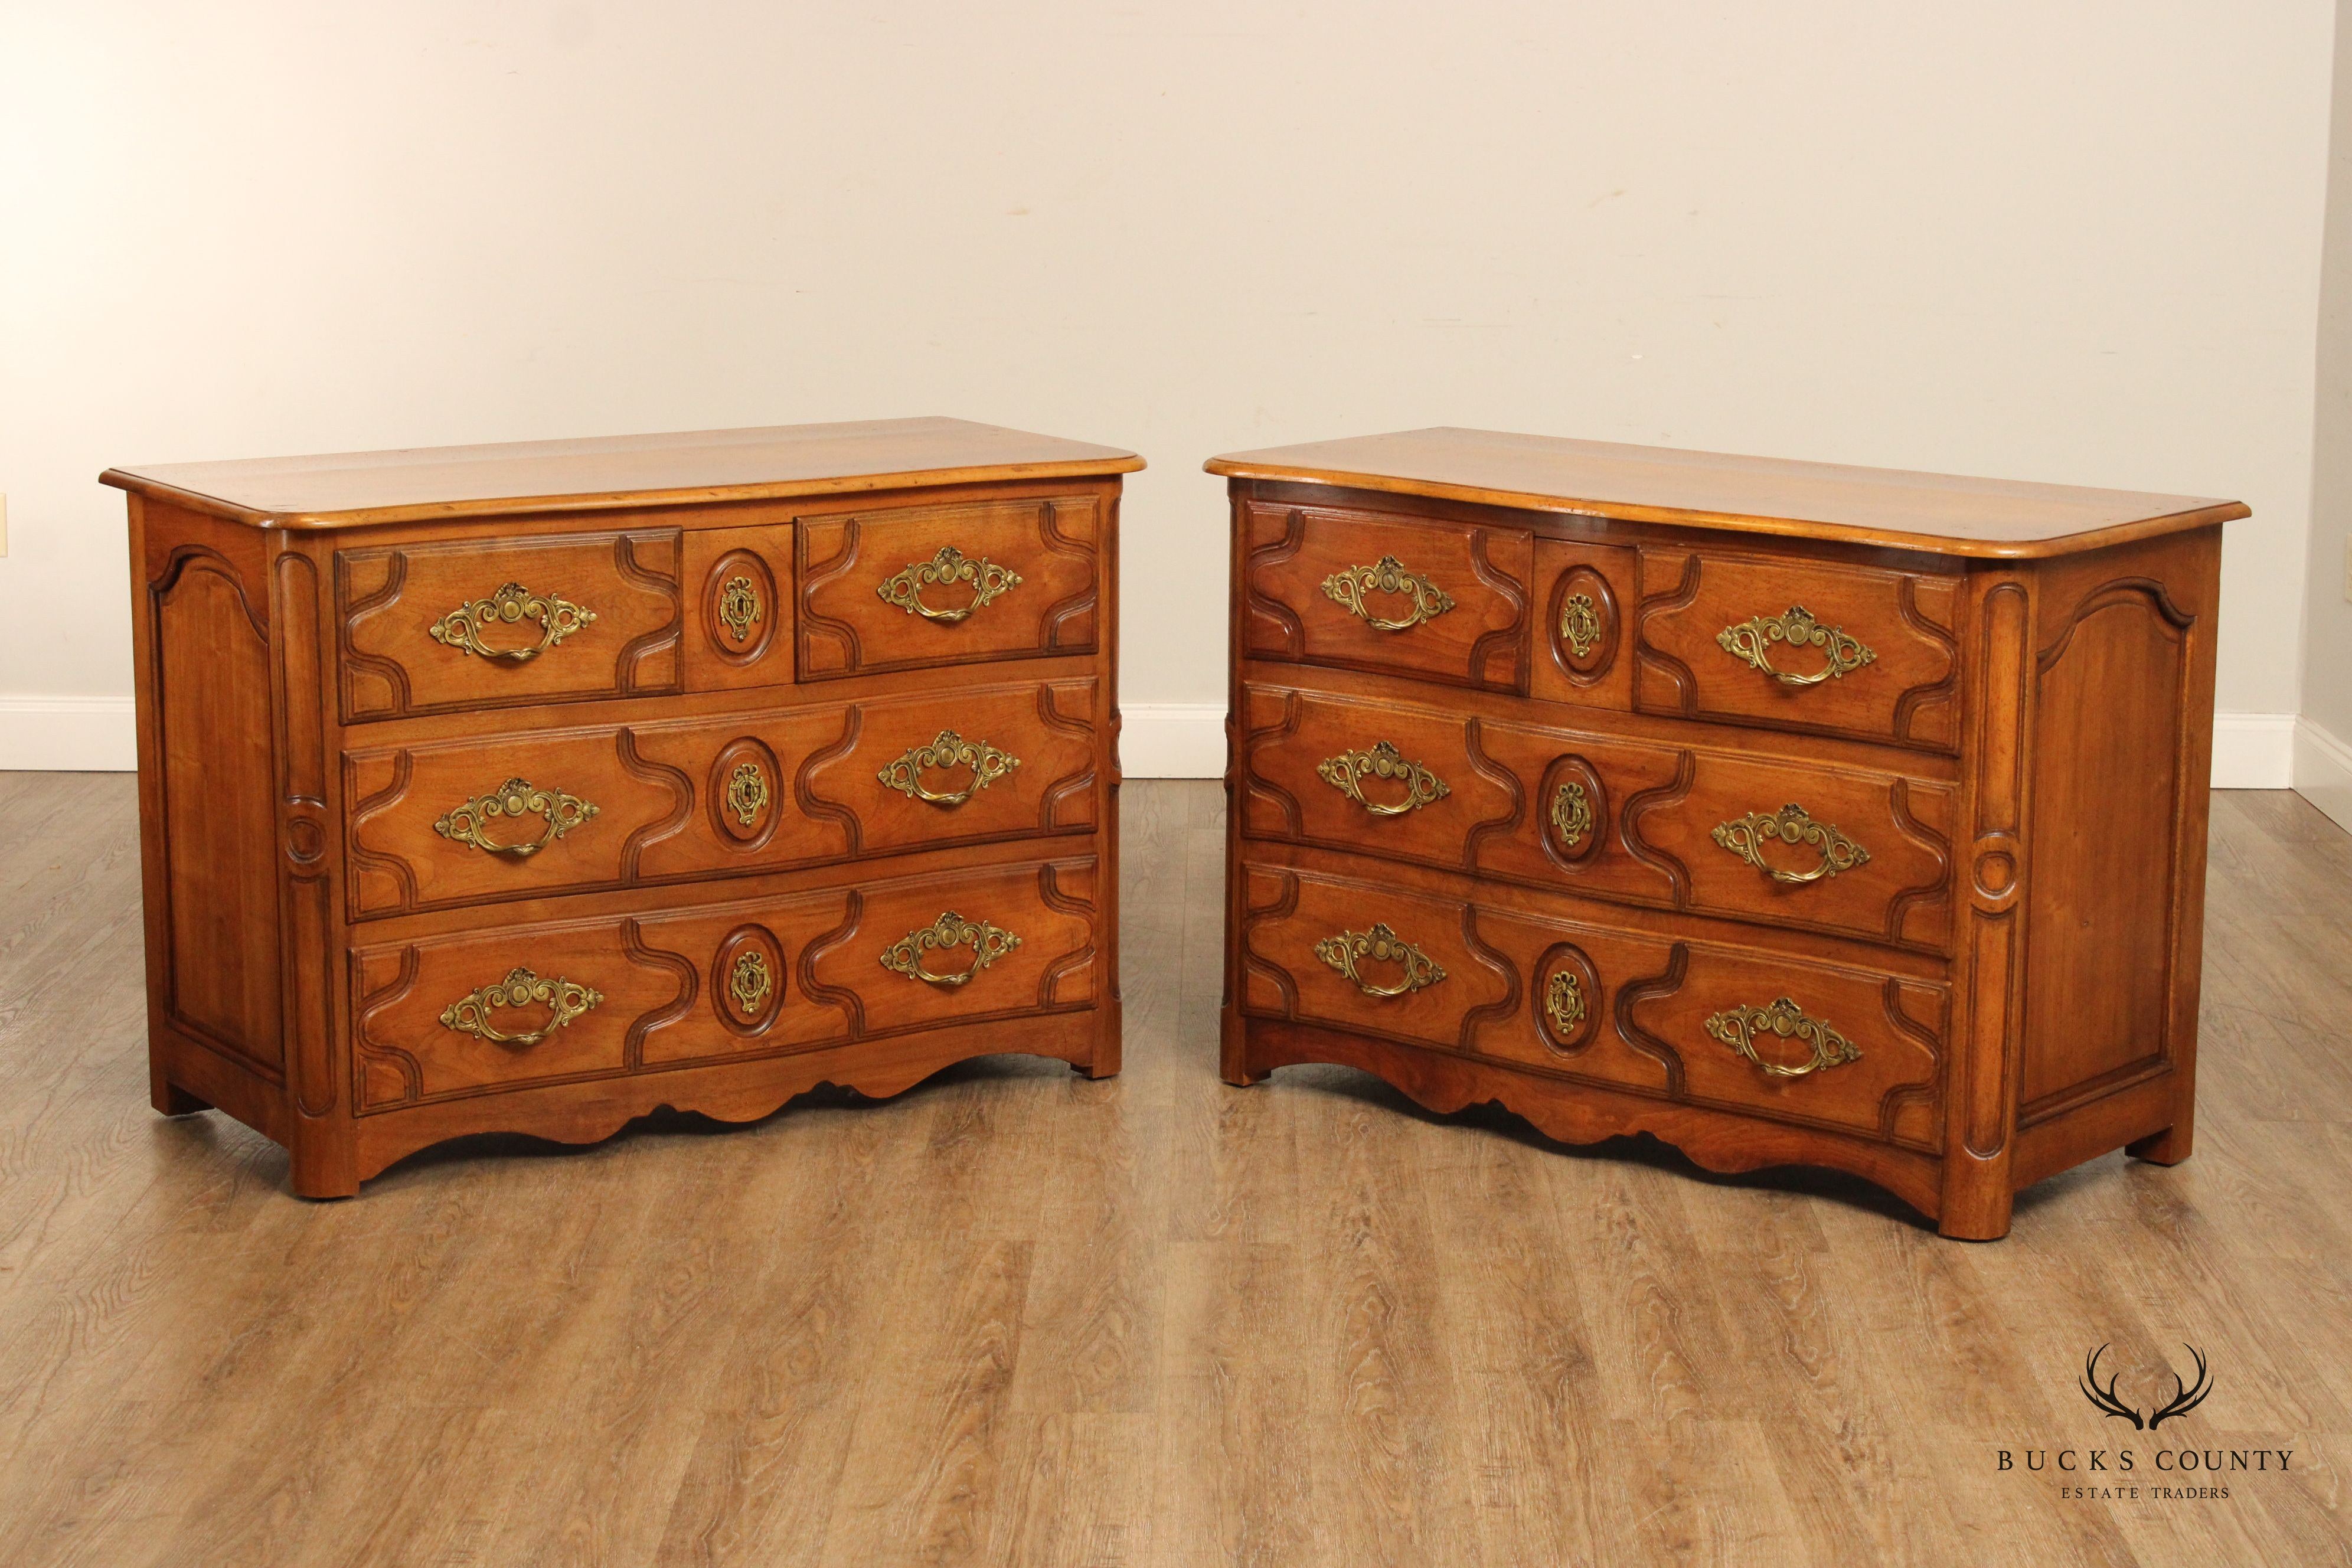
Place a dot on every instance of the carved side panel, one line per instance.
(208, 603)
(307, 910)
(2111, 691)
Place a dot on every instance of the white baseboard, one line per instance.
(67, 735)
(2322, 771)
(1173, 740)
(1179, 740)
(2254, 751)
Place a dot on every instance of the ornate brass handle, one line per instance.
(739, 606)
(469, 823)
(1347, 771)
(985, 577)
(1752, 639)
(1745, 837)
(521, 988)
(948, 749)
(1388, 576)
(1380, 944)
(988, 943)
(1739, 1027)
(462, 627)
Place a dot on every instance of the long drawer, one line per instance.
(500, 1006)
(447, 823)
(1805, 845)
(1854, 1050)
(1845, 647)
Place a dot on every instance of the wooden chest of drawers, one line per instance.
(531, 788)
(1792, 814)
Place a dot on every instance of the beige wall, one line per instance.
(2328, 626)
(2076, 242)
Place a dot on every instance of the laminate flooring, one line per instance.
(1015, 1317)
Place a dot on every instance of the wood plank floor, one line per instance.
(1015, 1317)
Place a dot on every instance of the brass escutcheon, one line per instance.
(988, 943)
(740, 607)
(471, 1014)
(985, 578)
(1739, 1026)
(948, 749)
(469, 823)
(1388, 576)
(462, 627)
(1348, 948)
(1564, 1002)
(1745, 837)
(1751, 641)
(1580, 623)
(749, 983)
(746, 791)
(1347, 771)
(1572, 814)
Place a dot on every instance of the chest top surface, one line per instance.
(349, 489)
(1941, 513)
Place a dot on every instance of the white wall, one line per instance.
(2323, 761)
(2076, 242)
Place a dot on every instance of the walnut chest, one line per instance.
(1790, 813)
(532, 787)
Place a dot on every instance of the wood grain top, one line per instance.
(347, 488)
(1942, 513)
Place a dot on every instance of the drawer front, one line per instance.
(1392, 596)
(436, 628)
(533, 1004)
(1800, 845)
(1815, 1044)
(1829, 647)
(485, 818)
(950, 585)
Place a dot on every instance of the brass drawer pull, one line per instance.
(1388, 576)
(985, 577)
(1739, 1026)
(1380, 944)
(521, 988)
(1751, 641)
(462, 627)
(739, 606)
(469, 823)
(948, 749)
(1347, 771)
(988, 943)
(1746, 837)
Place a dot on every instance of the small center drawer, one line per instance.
(438, 628)
(922, 586)
(1795, 845)
(468, 821)
(1830, 648)
(1810, 1043)
(1443, 601)
(508, 1006)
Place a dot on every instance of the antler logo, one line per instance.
(2186, 1397)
